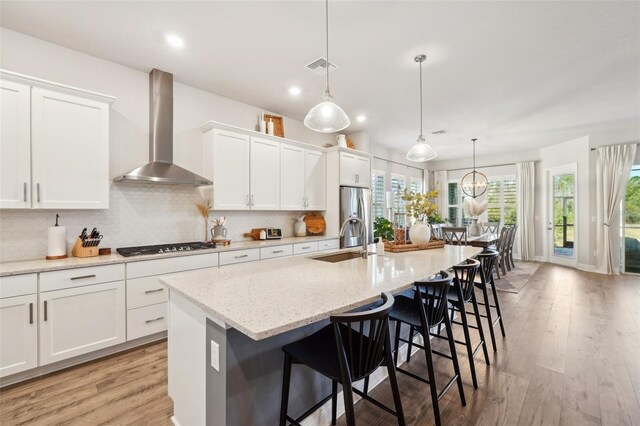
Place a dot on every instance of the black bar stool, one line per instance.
(463, 293)
(350, 349)
(488, 259)
(428, 308)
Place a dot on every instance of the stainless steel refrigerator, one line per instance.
(355, 201)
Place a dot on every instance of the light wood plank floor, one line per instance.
(571, 357)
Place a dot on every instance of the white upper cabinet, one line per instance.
(54, 145)
(15, 145)
(265, 174)
(315, 180)
(226, 162)
(355, 170)
(70, 151)
(292, 177)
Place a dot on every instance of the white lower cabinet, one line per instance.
(239, 256)
(277, 251)
(18, 334)
(304, 248)
(79, 320)
(329, 244)
(146, 320)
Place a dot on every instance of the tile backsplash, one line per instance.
(138, 214)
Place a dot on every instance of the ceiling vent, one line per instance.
(439, 132)
(319, 66)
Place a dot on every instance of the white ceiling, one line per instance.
(516, 75)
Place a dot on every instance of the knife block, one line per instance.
(79, 251)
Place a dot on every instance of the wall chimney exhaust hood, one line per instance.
(160, 168)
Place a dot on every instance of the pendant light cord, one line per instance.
(326, 15)
(421, 95)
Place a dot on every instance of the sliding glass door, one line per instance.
(562, 215)
(631, 224)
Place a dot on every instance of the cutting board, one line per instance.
(255, 233)
(315, 223)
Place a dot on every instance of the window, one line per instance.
(398, 185)
(377, 194)
(509, 200)
(501, 194)
(415, 185)
(452, 216)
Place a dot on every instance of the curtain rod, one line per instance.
(395, 162)
(604, 146)
(480, 167)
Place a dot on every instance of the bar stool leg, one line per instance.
(286, 380)
(454, 356)
(347, 393)
(487, 307)
(476, 312)
(397, 342)
(334, 401)
(467, 341)
(412, 332)
(393, 381)
(432, 374)
(495, 298)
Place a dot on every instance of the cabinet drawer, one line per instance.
(18, 285)
(329, 244)
(145, 291)
(302, 248)
(171, 265)
(278, 251)
(239, 256)
(147, 320)
(78, 277)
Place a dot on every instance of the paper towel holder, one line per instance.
(62, 256)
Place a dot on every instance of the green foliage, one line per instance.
(632, 201)
(420, 205)
(383, 228)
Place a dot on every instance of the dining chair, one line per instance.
(490, 227)
(512, 239)
(455, 235)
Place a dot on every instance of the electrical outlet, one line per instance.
(215, 355)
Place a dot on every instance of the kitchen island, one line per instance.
(227, 325)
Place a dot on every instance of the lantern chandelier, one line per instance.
(474, 183)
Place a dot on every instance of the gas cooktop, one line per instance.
(164, 248)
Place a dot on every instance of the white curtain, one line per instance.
(441, 184)
(613, 165)
(525, 190)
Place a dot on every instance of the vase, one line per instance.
(474, 228)
(420, 233)
(299, 227)
(218, 233)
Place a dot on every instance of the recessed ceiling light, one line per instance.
(294, 91)
(174, 40)
(361, 118)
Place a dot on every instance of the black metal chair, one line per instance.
(455, 235)
(463, 284)
(428, 308)
(350, 349)
(487, 259)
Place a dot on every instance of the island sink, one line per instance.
(340, 257)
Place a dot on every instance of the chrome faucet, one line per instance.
(363, 235)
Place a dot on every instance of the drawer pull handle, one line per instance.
(45, 310)
(305, 248)
(30, 313)
(83, 277)
(278, 251)
(154, 320)
(154, 291)
(241, 256)
(24, 192)
(38, 192)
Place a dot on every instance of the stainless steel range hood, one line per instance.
(160, 168)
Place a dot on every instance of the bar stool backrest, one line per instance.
(455, 235)
(465, 275)
(487, 259)
(362, 342)
(430, 296)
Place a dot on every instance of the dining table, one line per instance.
(483, 240)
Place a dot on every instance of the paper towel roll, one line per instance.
(57, 241)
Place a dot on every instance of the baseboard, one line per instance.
(81, 359)
(585, 267)
(322, 416)
(540, 259)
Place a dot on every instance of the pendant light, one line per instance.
(327, 117)
(474, 183)
(421, 151)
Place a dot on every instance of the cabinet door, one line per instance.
(316, 180)
(70, 151)
(15, 145)
(18, 334)
(230, 170)
(79, 320)
(363, 175)
(348, 169)
(265, 174)
(292, 178)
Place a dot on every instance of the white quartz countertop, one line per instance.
(43, 265)
(275, 296)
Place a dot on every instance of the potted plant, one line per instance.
(474, 209)
(382, 228)
(421, 207)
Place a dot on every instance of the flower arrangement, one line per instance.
(474, 208)
(422, 206)
(219, 221)
(206, 204)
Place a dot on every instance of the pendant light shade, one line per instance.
(474, 183)
(421, 151)
(327, 116)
